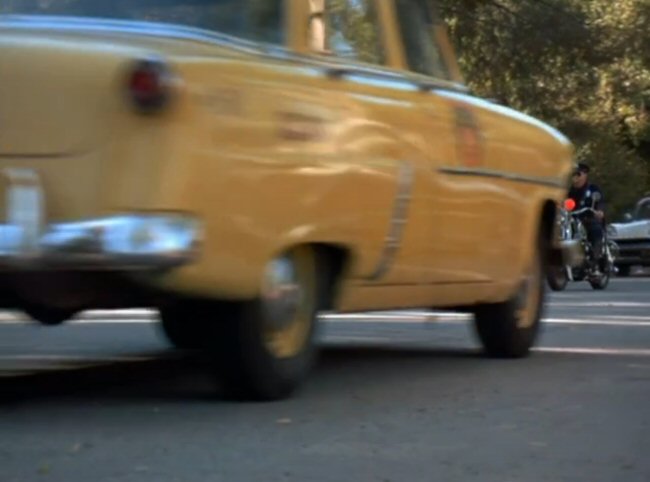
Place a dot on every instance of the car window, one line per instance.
(259, 20)
(417, 23)
(643, 211)
(347, 29)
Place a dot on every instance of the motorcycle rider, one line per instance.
(582, 192)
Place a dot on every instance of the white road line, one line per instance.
(405, 317)
(111, 321)
(78, 358)
(91, 314)
(72, 363)
(601, 304)
(550, 321)
(570, 321)
(355, 338)
(620, 317)
(614, 321)
(638, 322)
(595, 351)
(84, 321)
(59, 363)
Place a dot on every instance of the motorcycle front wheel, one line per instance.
(600, 282)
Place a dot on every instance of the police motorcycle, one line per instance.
(571, 227)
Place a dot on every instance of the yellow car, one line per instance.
(243, 165)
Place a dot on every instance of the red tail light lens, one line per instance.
(569, 204)
(150, 86)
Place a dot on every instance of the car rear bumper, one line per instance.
(132, 241)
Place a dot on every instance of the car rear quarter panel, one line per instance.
(268, 158)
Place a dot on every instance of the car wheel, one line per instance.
(267, 347)
(47, 315)
(509, 329)
(557, 278)
(624, 270)
(184, 325)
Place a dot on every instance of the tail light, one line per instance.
(569, 204)
(150, 86)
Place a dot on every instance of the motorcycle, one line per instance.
(571, 227)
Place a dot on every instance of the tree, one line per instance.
(582, 66)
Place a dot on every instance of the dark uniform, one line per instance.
(583, 198)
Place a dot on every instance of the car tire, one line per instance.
(557, 278)
(258, 356)
(509, 329)
(47, 315)
(184, 325)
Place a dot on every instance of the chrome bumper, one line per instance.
(125, 242)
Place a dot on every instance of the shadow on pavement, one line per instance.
(187, 379)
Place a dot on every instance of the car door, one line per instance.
(386, 125)
(464, 237)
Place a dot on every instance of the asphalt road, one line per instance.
(395, 397)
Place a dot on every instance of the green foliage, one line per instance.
(352, 30)
(580, 65)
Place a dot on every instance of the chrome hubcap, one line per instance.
(281, 294)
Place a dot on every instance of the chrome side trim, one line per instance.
(509, 176)
(398, 220)
(371, 79)
(379, 75)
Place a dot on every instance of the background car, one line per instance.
(633, 238)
